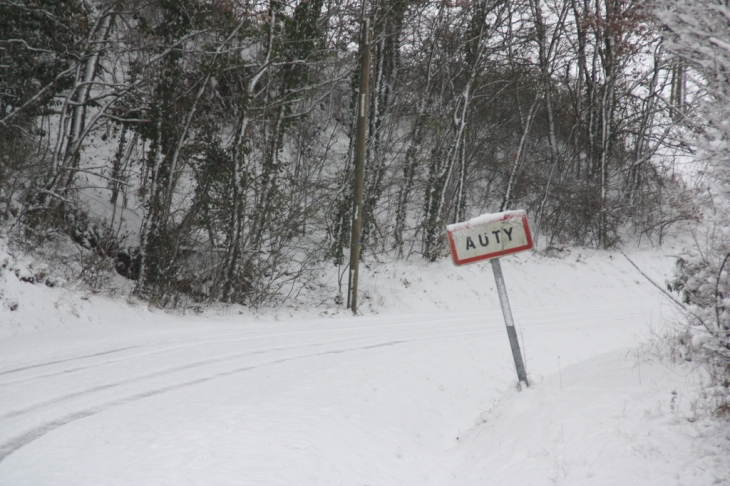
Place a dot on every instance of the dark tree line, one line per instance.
(206, 147)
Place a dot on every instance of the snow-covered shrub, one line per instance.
(698, 34)
(703, 280)
(702, 277)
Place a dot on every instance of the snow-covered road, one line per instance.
(397, 398)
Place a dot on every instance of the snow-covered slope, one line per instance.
(420, 389)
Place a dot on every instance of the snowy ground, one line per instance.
(418, 390)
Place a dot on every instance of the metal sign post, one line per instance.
(508, 321)
(487, 237)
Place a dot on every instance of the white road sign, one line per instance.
(489, 236)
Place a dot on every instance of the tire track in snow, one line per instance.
(220, 338)
(523, 315)
(64, 360)
(201, 363)
(12, 445)
(250, 335)
(523, 319)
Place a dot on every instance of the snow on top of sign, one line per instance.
(485, 219)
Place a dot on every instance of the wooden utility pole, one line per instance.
(362, 112)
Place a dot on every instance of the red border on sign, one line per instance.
(495, 254)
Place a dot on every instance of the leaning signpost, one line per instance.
(488, 237)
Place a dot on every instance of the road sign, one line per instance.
(489, 236)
